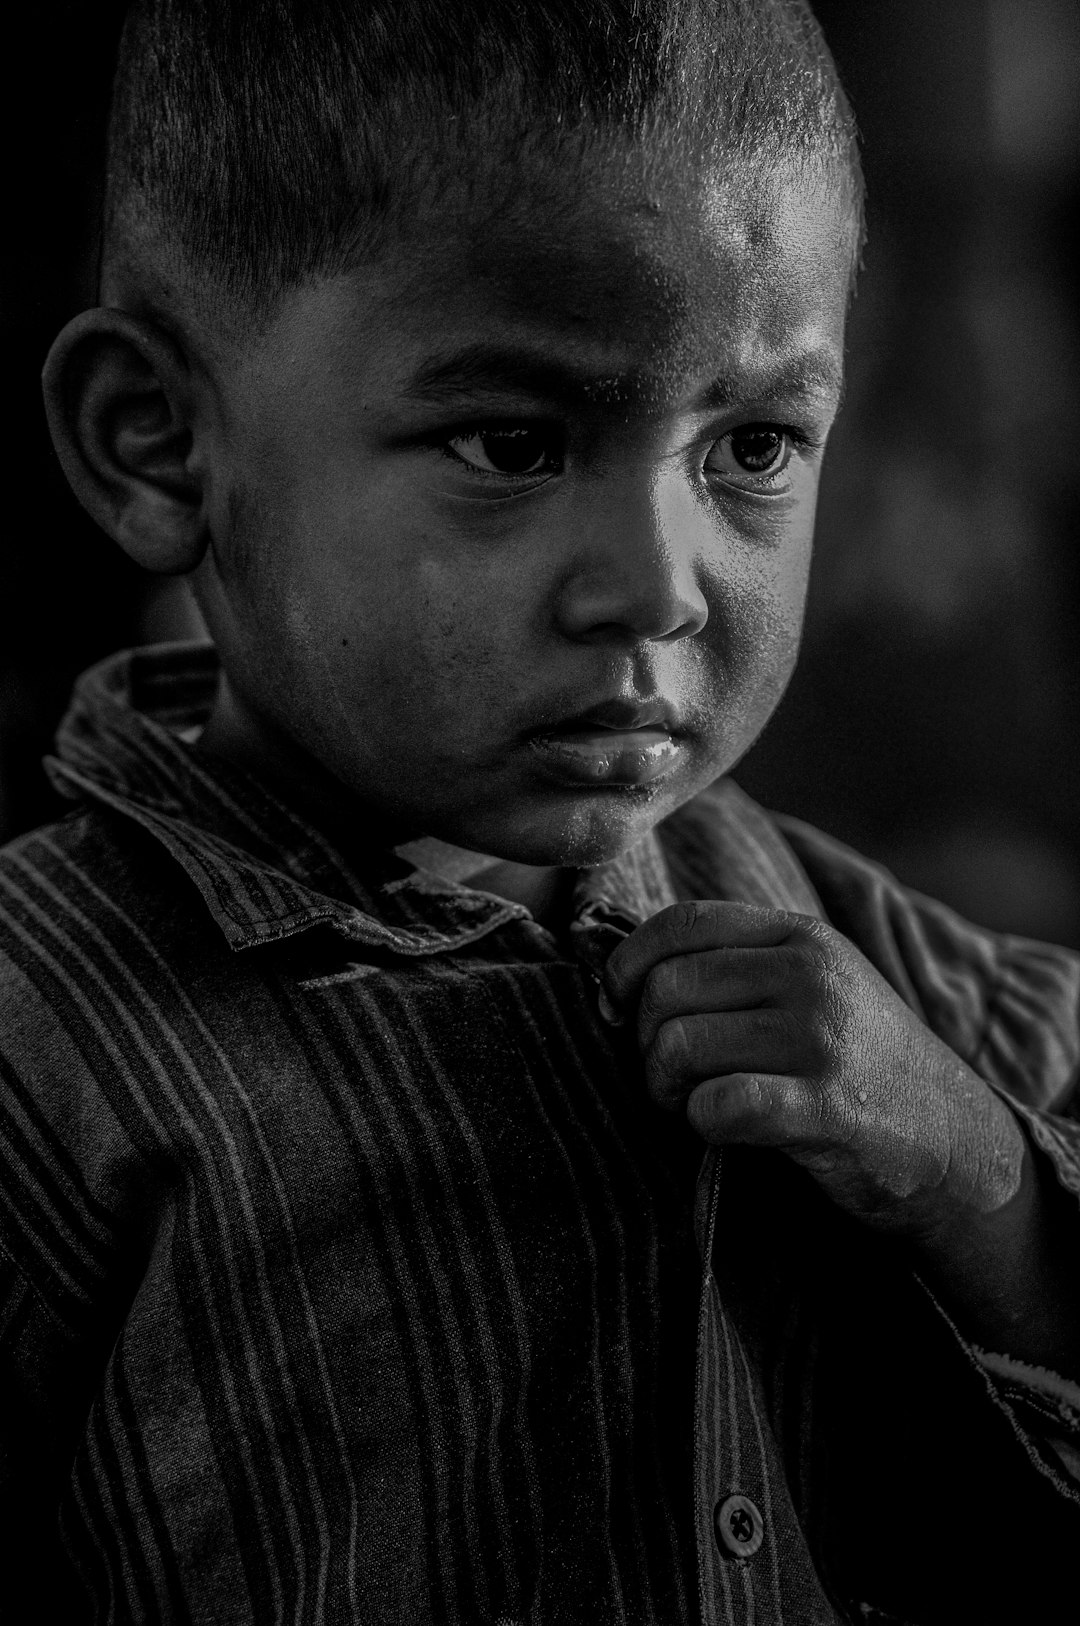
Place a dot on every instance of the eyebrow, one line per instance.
(475, 369)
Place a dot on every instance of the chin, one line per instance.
(583, 834)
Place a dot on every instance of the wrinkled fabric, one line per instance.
(347, 1273)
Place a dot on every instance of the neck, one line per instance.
(543, 890)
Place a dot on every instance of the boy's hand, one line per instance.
(772, 1029)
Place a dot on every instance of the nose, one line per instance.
(637, 565)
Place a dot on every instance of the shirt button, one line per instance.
(739, 1527)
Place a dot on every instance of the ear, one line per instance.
(118, 396)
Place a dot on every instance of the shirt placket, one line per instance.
(754, 1567)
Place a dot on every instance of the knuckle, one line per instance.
(818, 1114)
(812, 929)
(771, 1039)
(748, 1104)
(790, 960)
(823, 947)
(822, 1008)
(768, 1025)
(687, 919)
(836, 1013)
(815, 1039)
(755, 1100)
(800, 1115)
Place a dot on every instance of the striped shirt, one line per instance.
(347, 1274)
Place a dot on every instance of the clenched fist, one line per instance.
(773, 1030)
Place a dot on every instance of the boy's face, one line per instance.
(513, 528)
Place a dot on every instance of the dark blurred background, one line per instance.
(934, 718)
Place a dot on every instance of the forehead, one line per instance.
(637, 285)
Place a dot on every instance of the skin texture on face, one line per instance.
(524, 467)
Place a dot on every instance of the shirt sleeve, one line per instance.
(1011, 1009)
(1043, 1405)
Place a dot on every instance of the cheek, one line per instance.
(751, 640)
(407, 633)
(784, 600)
(758, 594)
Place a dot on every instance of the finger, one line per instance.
(761, 1109)
(686, 928)
(688, 1050)
(718, 980)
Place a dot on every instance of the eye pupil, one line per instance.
(757, 447)
(513, 451)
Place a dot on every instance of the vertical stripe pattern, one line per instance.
(346, 1272)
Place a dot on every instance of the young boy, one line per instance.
(462, 1161)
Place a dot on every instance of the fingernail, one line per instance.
(610, 1015)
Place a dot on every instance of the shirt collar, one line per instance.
(263, 872)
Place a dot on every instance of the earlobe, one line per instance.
(117, 396)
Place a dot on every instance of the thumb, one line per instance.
(758, 1109)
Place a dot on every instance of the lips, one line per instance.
(620, 715)
(618, 742)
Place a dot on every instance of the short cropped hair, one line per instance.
(265, 142)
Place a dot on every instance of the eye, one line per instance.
(515, 450)
(751, 456)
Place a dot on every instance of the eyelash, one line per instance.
(760, 485)
(487, 427)
(764, 484)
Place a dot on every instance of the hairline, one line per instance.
(145, 267)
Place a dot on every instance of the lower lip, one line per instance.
(607, 756)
